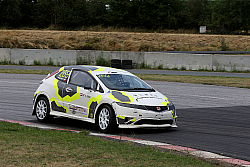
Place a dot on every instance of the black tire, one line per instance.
(106, 119)
(116, 63)
(42, 110)
(127, 64)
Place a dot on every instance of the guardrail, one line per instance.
(160, 60)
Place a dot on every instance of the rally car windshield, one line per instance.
(124, 82)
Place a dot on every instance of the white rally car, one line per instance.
(105, 96)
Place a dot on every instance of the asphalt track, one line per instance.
(211, 118)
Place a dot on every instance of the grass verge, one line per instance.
(16, 71)
(26, 146)
(208, 80)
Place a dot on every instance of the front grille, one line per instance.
(157, 108)
(153, 122)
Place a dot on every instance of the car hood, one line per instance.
(149, 99)
(139, 98)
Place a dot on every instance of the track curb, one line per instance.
(186, 150)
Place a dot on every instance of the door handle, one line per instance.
(68, 89)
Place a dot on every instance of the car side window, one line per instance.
(82, 79)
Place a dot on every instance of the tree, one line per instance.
(10, 13)
(195, 13)
(97, 13)
(72, 13)
(149, 14)
(26, 8)
(44, 13)
(238, 14)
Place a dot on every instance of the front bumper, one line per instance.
(147, 126)
(139, 118)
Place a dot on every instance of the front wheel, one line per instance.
(42, 110)
(106, 119)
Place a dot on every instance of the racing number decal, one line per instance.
(63, 75)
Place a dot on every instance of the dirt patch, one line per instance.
(120, 41)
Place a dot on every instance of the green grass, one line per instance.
(208, 80)
(26, 146)
(17, 71)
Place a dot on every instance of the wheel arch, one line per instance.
(38, 97)
(99, 109)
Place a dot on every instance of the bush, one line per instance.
(101, 61)
(223, 46)
(51, 62)
(81, 61)
(37, 62)
(22, 62)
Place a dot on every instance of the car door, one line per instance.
(83, 85)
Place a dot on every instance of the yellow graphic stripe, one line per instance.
(166, 102)
(124, 94)
(35, 95)
(54, 99)
(133, 120)
(66, 98)
(61, 69)
(122, 117)
(98, 69)
(96, 99)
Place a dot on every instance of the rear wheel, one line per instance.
(42, 110)
(106, 119)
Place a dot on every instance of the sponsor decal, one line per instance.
(103, 76)
(74, 109)
(83, 95)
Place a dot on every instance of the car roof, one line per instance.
(96, 69)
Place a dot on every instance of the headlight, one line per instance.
(132, 106)
(171, 107)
